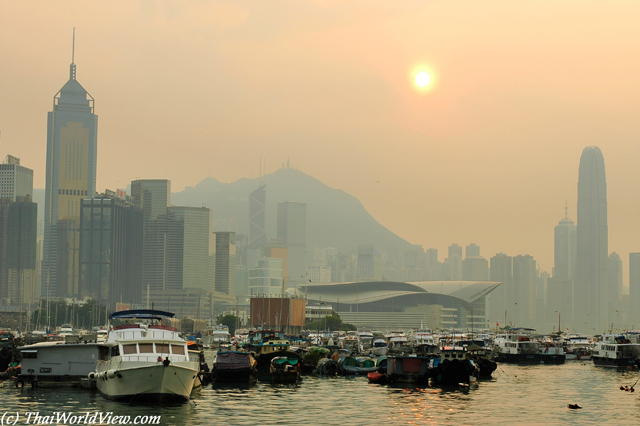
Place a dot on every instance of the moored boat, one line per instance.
(616, 351)
(285, 370)
(235, 367)
(60, 363)
(145, 359)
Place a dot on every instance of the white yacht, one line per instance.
(145, 359)
(398, 342)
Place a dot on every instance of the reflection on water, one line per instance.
(516, 395)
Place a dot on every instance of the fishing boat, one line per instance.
(285, 369)
(235, 367)
(453, 367)
(616, 351)
(145, 359)
(408, 369)
(350, 366)
(8, 345)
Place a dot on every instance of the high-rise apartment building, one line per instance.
(501, 300)
(472, 250)
(591, 290)
(111, 250)
(15, 180)
(453, 263)
(225, 268)
(72, 134)
(292, 231)
(153, 196)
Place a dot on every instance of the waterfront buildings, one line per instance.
(292, 231)
(111, 234)
(502, 300)
(72, 130)
(591, 290)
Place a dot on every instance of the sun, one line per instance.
(422, 79)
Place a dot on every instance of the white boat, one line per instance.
(616, 351)
(366, 339)
(145, 359)
(220, 334)
(380, 347)
(398, 342)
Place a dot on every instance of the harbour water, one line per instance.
(528, 395)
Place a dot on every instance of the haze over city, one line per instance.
(488, 154)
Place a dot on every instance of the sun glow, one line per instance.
(422, 79)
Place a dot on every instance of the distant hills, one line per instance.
(334, 218)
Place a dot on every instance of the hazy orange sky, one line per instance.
(489, 154)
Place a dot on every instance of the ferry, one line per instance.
(616, 351)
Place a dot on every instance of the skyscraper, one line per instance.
(226, 262)
(153, 197)
(565, 249)
(111, 250)
(72, 130)
(502, 300)
(257, 202)
(292, 230)
(590, 293)
(190, 249)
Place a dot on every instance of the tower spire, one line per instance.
(72, 68)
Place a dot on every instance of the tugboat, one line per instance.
(616, 351)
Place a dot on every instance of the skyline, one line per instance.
(494, 145)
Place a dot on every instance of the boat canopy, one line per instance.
(141, 314)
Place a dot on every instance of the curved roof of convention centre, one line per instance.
(466, 292)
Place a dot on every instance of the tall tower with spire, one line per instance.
(590, 292)
(72, 129)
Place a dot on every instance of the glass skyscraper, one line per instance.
(590, 294)
(72, 130)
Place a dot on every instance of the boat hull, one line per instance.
(148, 381)
(531, 359)
(614, 362)
(239, 375)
